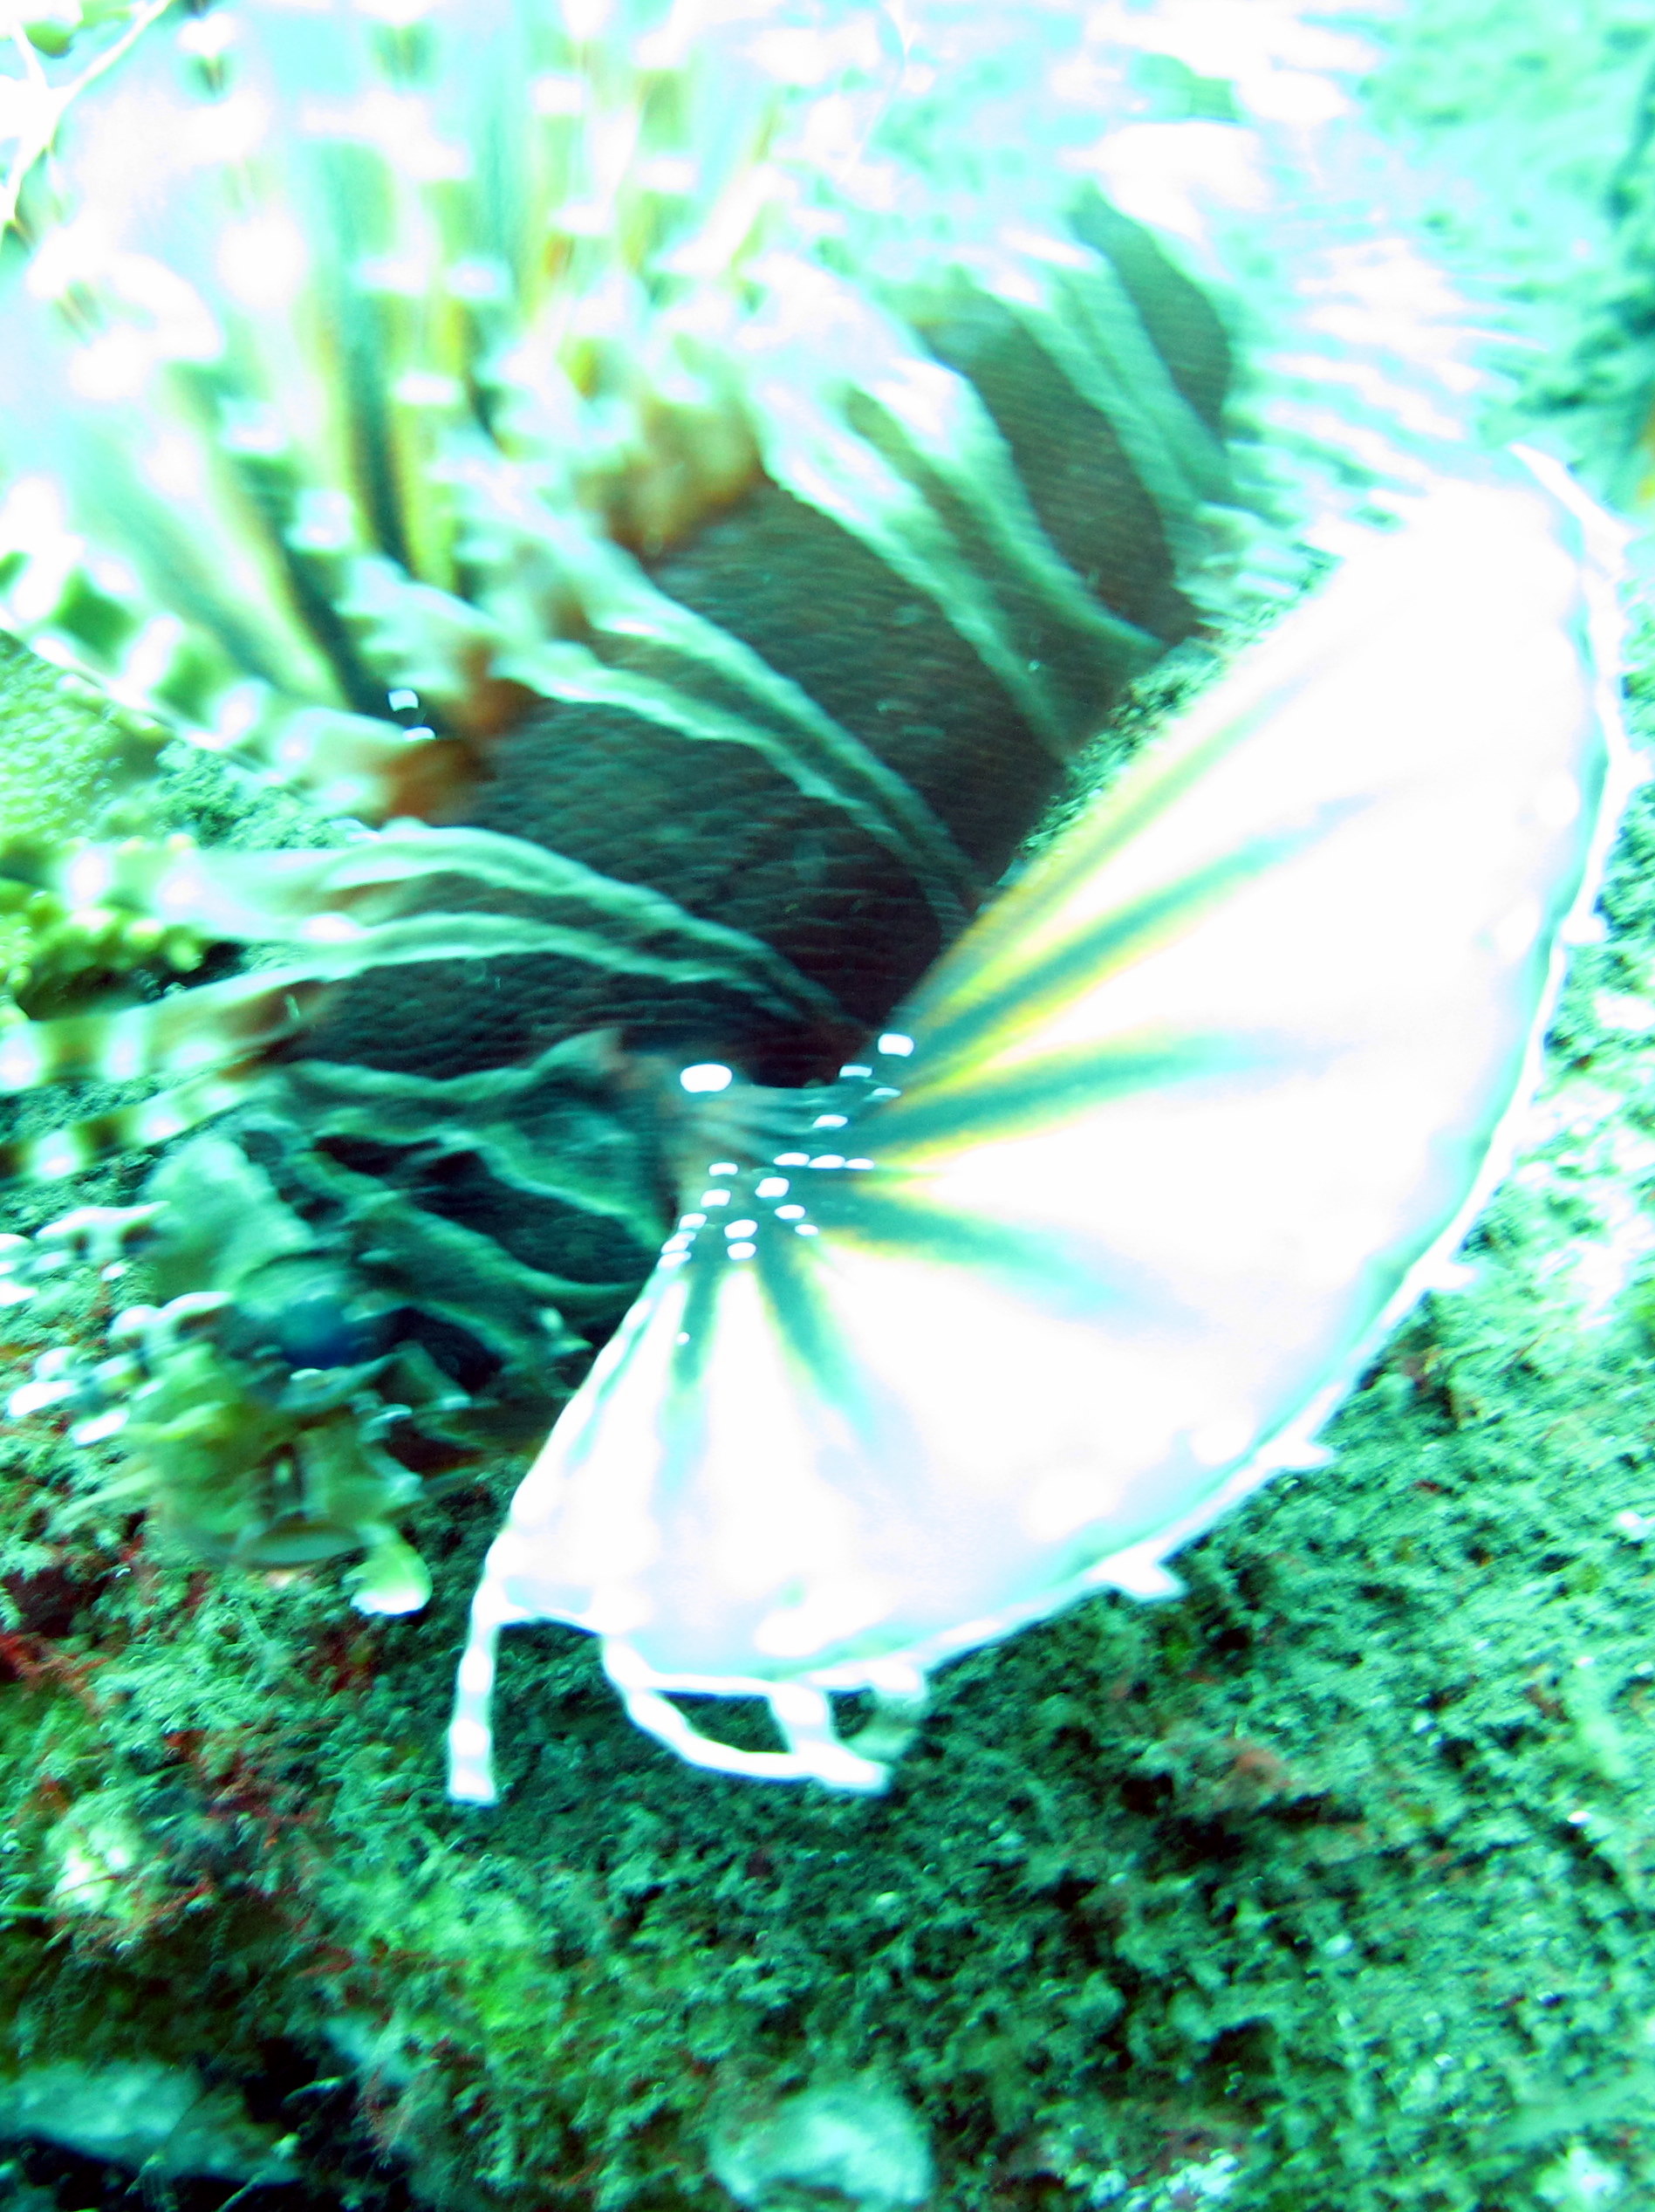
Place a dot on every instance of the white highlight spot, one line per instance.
(829, 1160)
(1065, 1499)
(87, 877)
(112, 368)
(1517, 928)
(1216, 1442)
(558, 93)
(398, 13)
(475, 279)
(150, 654)
(894, 1043)
(57, 1155)
(1624, 1011)
(1139, 1573)
(323, 522)
(239, 710)
(153, 1123)
(403, 277)
(771, 1187)
(740, 1229)
(789, 1213)
(264, 261)
(222, 130)
(742, 1251)
(248, 427)
(208, 37)
(174, 467)
(715, 1198)
(792, 1159)
(1558, 801)
(399, 126)
(668, 174)
(124, 1056)
(35, 1397)
(586, 19)
(427, 388)
(829, 1121)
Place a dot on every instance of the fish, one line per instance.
(471, 474)
(674, 579)
(680, 551)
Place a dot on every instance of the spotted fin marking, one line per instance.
(1117, 1213)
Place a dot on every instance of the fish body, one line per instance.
(474, 422)
(681, 553)
(486, 424)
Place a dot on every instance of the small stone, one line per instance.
(851, 2143)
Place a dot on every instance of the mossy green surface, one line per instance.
(1328, 1886)
(1338, 1865)
(1338, 1868)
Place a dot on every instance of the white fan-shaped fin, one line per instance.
(1134, 1187)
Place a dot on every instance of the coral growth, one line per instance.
(65, 774)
